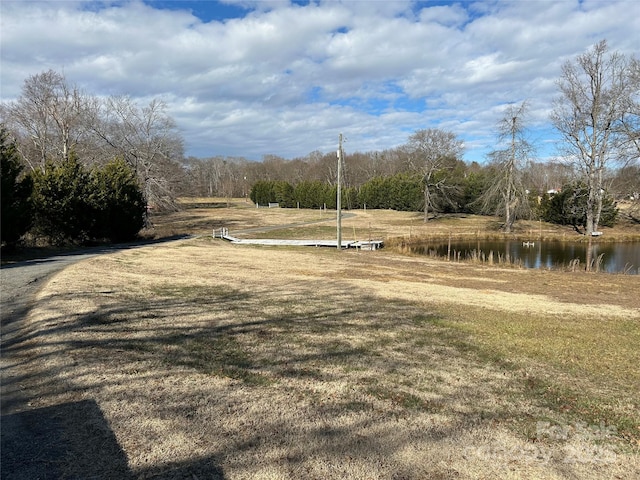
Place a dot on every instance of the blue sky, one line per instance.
(250, 78)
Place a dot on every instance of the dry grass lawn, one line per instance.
(211, 360)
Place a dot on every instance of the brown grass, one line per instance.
(289, 363)
(200, 215)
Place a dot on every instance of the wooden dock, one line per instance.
(362, 245)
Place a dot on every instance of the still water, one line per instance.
(616, 257)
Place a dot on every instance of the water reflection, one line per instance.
(606, 257)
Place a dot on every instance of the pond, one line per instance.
(606, 257)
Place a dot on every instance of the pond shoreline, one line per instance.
(621, 257)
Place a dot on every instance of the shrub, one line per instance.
(262, 192)
(401, 192)
(569, 207)
(283, 193)
(63, 212)
(314, 194)
(16, 191)
(74, 206)
(117, 201)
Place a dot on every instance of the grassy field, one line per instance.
(200, 215)
(212, 360)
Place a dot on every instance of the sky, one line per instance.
(247, 78)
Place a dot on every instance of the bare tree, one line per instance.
(50, 118)
(323, 167)
(147, 139)
(630, 126)
(275, 167)
(213, 168)
(592, 116)
(542, 177)
(507, 195)
(430, 151)
(630, 121)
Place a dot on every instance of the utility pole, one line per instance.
(339, 194)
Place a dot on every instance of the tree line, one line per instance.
(405, 192)
(55, 127)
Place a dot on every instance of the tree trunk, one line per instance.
(507, 215)
(426, 203)
(591, 206)
(599, 194)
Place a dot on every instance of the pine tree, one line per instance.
(16, 191)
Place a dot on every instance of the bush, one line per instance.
(16, 192)
(569, 207)
(402, 192)
(314, 194)
(74, 206)
(63, 211)
(262, 192)
(117, 201)
(283, 193)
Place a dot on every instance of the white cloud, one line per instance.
(284, 78)
(450, 16)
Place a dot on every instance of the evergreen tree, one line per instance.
(63, 211)
(16, 190)
(117, 201)
(569, 207)
(283, 192)
(262, 192)
(402, 192)
(314, 194)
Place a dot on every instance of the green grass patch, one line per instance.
(200, 294)
(603, 349)
(580, 406)
(404, 399)
(598, 357)
(220, 355)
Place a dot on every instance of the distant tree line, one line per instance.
(596, 112)
(404, 192)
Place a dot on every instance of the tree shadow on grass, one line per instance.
(250, 335)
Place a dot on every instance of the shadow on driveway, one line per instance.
(70, 440)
